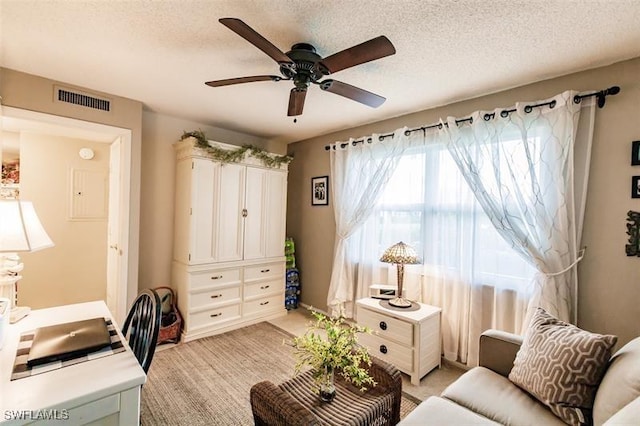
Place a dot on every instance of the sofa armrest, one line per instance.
(498, 350)
(628, 415)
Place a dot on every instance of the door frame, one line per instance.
(120, 213)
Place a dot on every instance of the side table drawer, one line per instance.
(391, 352)
(386, 326)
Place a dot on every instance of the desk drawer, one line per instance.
(386, 326)
(215, 277)
(391, 352)
(214, 316)
(214, 297)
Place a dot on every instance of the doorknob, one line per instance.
(244, 212)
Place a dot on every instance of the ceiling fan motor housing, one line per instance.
(305, 70)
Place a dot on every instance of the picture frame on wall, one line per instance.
(635, 187)
(320, 191)
(635, 153)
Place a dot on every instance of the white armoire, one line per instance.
(229, 231)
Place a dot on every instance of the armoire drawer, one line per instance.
(391, 352)
(264, 272)
(214, 297)
(214, 316)
(386, 326)
(261, 289)
(258, 306)
(215, 277)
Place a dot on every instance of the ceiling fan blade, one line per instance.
(371, 50)
(239, 80)
(249, 34)
(296, 102)
(352, 92)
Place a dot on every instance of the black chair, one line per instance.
(142, 326)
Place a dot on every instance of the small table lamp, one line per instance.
(20, 230)
(400, 254)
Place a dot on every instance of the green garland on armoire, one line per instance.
(236, 155)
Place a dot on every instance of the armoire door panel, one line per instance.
(203, 211)
(275, 213)
(254, 222)
(231, 195)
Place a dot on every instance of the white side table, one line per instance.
(408, 339)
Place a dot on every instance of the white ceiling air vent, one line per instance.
(63, 94)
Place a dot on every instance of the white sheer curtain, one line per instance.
(476, 276)
(359, 173)
(527, 188)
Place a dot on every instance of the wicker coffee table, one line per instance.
(294, 402)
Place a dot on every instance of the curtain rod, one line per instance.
(601, 95)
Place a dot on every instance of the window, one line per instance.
(428, 205)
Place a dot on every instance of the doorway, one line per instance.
(119, 140)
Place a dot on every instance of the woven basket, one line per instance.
(171, 323)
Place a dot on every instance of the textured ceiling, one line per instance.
(162, 52)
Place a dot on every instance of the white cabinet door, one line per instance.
(230, 196)
(276, 214)
(255, 220)
(204, 179)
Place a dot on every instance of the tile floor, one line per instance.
(295, 322)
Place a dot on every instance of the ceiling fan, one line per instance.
(305, 67)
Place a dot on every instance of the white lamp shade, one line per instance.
(20, 228)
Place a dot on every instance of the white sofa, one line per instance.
(485, 396)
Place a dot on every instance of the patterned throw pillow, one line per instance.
(562, 366)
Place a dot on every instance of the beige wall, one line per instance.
(74, 270)
(609, 281)
(33, 93)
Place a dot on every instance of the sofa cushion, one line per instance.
(438, 411)
(495, 397)
(620, 384)
(562, 366)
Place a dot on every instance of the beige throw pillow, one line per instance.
(562, 366)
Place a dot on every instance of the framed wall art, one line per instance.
(635, 186)
(320, 191)
(635, 153)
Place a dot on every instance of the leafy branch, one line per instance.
(339, 351)
(236, 155)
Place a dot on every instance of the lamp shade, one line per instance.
(20, 228)
(400, 253)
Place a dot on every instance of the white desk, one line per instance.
(104, 391)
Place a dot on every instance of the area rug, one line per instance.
(207, 381)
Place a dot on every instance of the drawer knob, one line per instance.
(215, 296)
(264, 271)
(383, 325)
(264, 287)
(264, 303)
(215, 315)
(383, 349)
(216, 277)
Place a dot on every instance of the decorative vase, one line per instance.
(327, 387)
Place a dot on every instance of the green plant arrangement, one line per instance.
(329, 346)
(235, 155)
